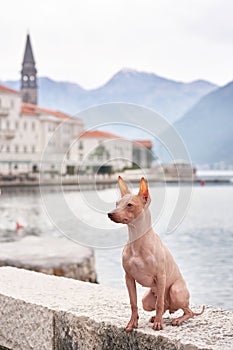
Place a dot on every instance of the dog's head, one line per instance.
(130, 206)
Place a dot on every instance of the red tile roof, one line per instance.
(6, 89)
(31, 109)
(26, 108)
(99, 134)
(144, 143)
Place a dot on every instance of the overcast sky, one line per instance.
(87, 41)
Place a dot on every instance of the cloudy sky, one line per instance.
(87, 41)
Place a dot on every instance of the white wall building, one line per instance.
(100, 151)
(143, 153)
(34, 139)
(25, 131)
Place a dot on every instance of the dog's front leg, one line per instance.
(160, 284)
(131, 286)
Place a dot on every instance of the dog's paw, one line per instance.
(158, 325)
(133, 323)
(176, 322)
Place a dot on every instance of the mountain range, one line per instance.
(168, 97)
(207, 128)
(201, 111)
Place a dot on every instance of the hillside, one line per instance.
(207, 128)
(170, 98)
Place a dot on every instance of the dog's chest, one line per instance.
(140, 269)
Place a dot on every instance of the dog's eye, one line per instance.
(129, 205)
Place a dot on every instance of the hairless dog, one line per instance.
(148, 261)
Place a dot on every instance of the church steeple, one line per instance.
(28, 75)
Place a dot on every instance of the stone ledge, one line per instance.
(38, 311)
(53, 256)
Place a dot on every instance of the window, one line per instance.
(33, 126)
(35, 168)
(12, 104)
(33, 148)
(25, 125)
(8, 124)
(25, 149)
(16, 125)
(8, 149)
(16, 148)
(80, 146)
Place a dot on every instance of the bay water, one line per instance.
(202, 244)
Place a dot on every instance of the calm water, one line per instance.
(202, 245)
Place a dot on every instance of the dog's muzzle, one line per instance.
(110, 215)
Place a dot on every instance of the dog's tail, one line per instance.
(199, 313)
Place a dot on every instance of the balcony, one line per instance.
(7, 134)
(4, 112)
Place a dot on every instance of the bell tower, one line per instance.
(28, 75)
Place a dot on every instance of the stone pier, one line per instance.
(50, 255)
(43, 312)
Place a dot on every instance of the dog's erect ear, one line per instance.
(123, 187)
(143, 191)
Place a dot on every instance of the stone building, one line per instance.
(27, 130)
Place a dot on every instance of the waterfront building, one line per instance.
(25, 132)
(28, 131)
(10, 106)
(143, 153)
(101, 152)
(26, 128)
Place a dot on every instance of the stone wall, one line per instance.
(38, 311)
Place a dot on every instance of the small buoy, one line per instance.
(19, 226)
(202, 182)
